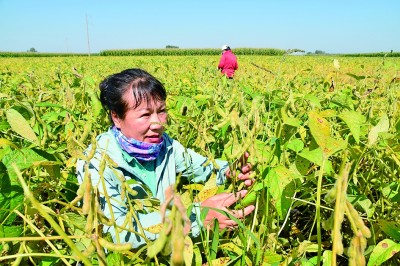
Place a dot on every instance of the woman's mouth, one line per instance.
(153, 139)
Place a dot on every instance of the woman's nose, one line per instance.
(156, 122)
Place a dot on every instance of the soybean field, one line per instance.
(322, 133)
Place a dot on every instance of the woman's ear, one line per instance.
(115, 119)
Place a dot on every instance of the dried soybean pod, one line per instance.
(128, 218)
(86, 130)
(111, 162)
(123, 193)
(89, 222)
(178, 240)
(101, 255)
(102, 166)
(356, 250)
(122, 179)
(44, 128)
(92, 151)
(130, 190)
(88, 191)
(220, 111)
(158, 245)
(79, 195)
(89, 250)
(114, 247)
(358, 221)
(228, 104)
(229, 143)
(331, 194)
(103, 219)
(341, 184)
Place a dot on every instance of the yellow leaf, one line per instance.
(206, 193)
(186, 199)
(197, 187)
(188, 254)
(6, 142)
(154, 229)
(220, 261)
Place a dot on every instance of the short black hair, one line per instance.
(143, 85)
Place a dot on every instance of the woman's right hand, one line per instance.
(245, 174)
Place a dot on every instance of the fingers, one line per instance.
(228, 173)
(246, 168)
(230, 198)
(240, 194)
(240, 162)
(249, 182)
(222, 201)
(243, 176)
(243, 212)
(247, 178)
(239, 214)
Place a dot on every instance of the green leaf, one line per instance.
(383, 251)
(295, 145)
(292, 121)
(342, 100)
(271, 258)
(281, 183)
(11, 231)
(382, 126)
(391, 228)
(11, 197)
(215, 241)
(313, 101)
(327, 258)
(10, 200)
(263, 152)
(316, 156)
(48, 261)
(392, 192)
(354, 121)
(46, 104)
(54, 116)
(355, 76)
(367, 206)
(114, 259)
(23, 159)
(19, 124)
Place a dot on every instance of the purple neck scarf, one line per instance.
(142, 151)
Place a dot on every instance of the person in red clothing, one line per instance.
(228, 62)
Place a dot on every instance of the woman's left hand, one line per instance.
(221, 202)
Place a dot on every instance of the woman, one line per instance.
(138, 152)
(228, 63)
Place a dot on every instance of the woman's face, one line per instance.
(144, 123)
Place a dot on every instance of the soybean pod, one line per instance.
(114, 247)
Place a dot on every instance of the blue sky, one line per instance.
(332, 26)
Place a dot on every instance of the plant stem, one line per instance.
(49, 219)
(318, 210)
